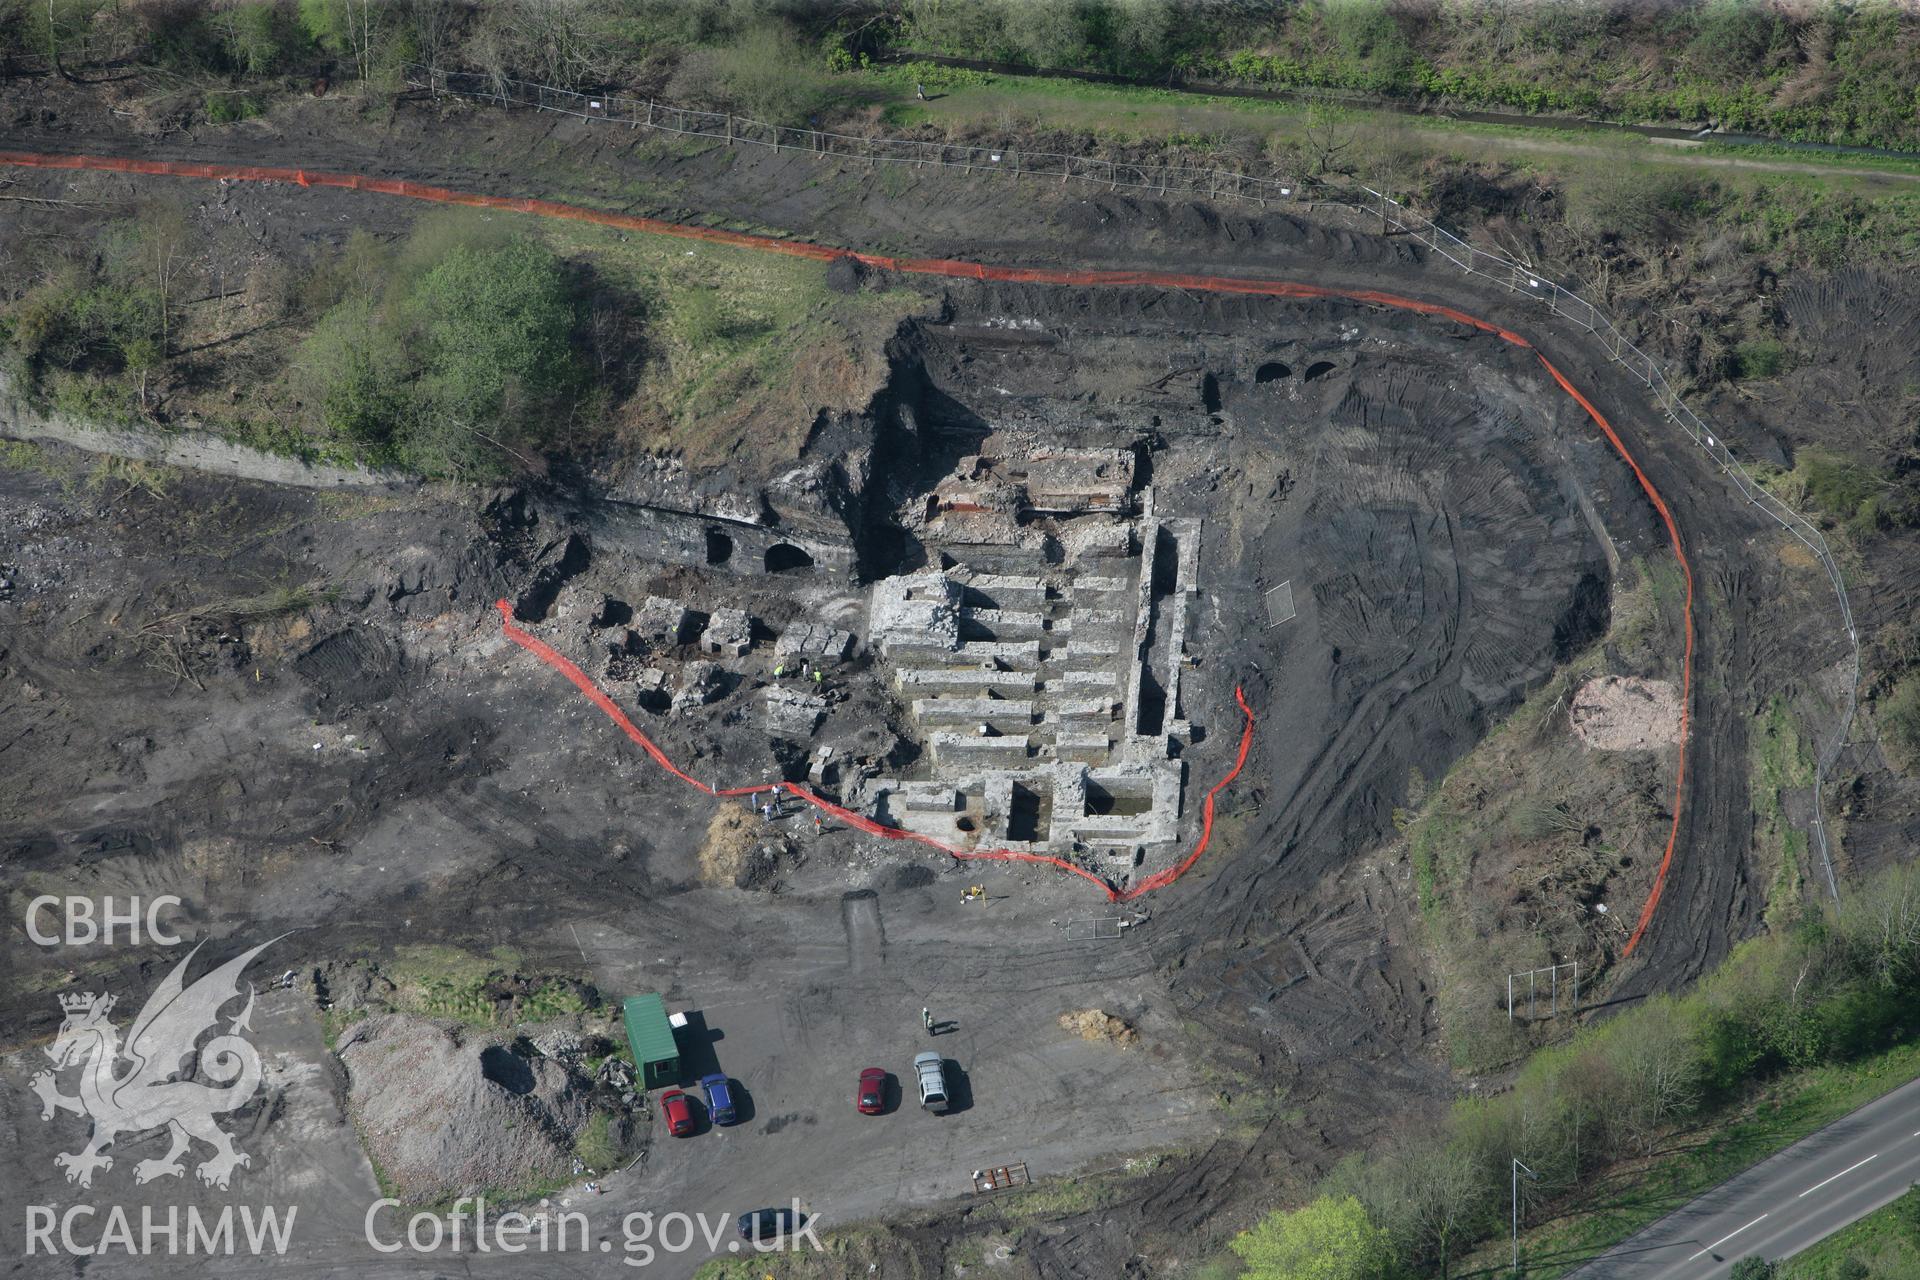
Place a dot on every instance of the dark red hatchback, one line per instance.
(677, 1107)
(871, 1096)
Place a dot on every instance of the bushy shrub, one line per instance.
(1837, 485)
(225, 106)
(455, 356)
(1899, 720)
(768, 73)
(1329, 1239)
(1759, 358)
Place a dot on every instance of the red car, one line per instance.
(871, 1096)
(678, 1109)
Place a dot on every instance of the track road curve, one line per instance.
(960, 269)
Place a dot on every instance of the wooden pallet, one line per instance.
(999, 1178)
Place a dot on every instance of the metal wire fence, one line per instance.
(645, 113)
(1194, 181)
(1573, 308)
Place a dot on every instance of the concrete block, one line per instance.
(729, 633)
(663, 621)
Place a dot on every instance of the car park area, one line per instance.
(1020, 1086)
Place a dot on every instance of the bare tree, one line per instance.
(1880, 920)
(1661, 1066)
(559, 42)
(1448, 1188)
(432, 29)
(1328, 137)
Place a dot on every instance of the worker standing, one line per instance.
(926, 1020)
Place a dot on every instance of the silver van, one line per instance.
(931, 1073)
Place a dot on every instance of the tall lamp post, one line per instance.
(1518, 1169)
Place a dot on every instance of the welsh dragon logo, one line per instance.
(136, 1088)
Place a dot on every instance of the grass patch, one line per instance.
(481, 990)
(1884, 1245)
(25, 455)
(1781, 761)
(468, 349)
(849, 1251)
(1759, 358)
(595, 1144)
(741, 346)
(1806, 207)
(1898, 716)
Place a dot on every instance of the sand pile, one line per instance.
(1097, 1025)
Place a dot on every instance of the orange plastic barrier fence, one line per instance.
(962, 270)
(599, 697)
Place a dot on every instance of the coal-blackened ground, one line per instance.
(372, 761)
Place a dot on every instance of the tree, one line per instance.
(357, 367)
(1449, 1191)
(497, 320)
(433, 23)
(1881, 919)
(344, 27)
(249, 35)
(1139, 35)
(1751, 1269)
(1661, 1064)
(1329, 1239)
(1328, 135)
(61, 24)
(557, 42)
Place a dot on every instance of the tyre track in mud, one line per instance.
(1337, 770)
(1709, 897)
(958, 269)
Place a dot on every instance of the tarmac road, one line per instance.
(1785, 1203)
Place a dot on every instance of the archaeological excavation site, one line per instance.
(1021, 722)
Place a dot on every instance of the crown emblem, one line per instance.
(172, 1027)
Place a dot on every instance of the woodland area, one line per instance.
(1831, 72)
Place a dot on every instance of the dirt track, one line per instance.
(1281, 938)
(1072, 230)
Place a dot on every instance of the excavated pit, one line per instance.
(1442, 529)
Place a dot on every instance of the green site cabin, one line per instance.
(650, 1036)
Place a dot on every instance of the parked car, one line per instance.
(677, 1107)
(769, 1224)
(932, 1074)
(719, 1098)
(871, 1094)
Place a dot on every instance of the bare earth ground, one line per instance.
(1436, 507)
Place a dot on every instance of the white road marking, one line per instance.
(1843, 1173)
(1723, 1239)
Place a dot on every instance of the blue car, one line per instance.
(719, 1098)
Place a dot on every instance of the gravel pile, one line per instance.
(451, 1110)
